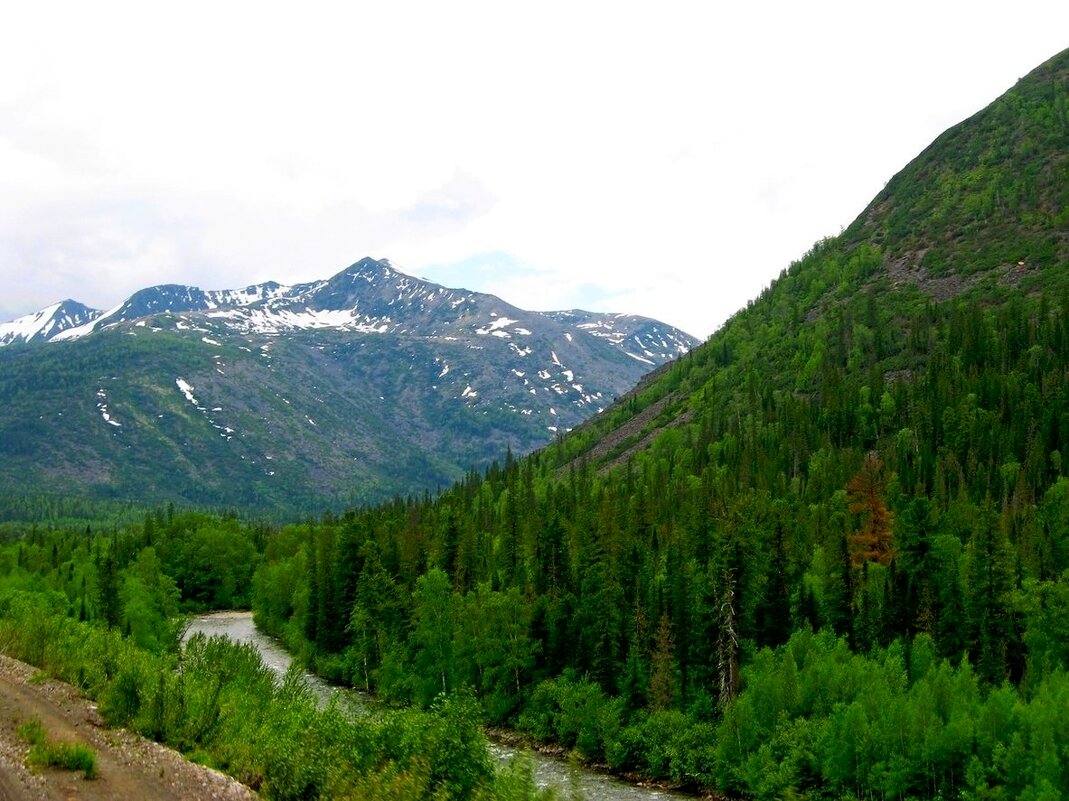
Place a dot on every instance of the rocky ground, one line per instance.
(128, 766)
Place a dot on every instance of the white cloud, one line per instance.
(664, 160)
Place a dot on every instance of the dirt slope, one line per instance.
(128, 766)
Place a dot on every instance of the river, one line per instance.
(548, 770)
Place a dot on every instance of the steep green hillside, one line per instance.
(982, 215)
(875, 450)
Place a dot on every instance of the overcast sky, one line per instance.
(666, 159)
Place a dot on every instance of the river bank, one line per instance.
(521, 742)
(552, 766)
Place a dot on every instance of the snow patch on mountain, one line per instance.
(102, 407)
(29, 327)
(496, 326)
(270, 321)
(187, 389)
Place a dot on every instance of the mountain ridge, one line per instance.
(349, 389)
(260, 307)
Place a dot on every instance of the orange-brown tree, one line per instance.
(873, 541)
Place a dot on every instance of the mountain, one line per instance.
(349, 389)
(981, 216)
(47, 323)
(823, 555)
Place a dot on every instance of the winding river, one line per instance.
(548, 770)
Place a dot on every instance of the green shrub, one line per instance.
(121, 700)
(69, 756)
(662, 734)
(32, 731)
(574, 713)
(537, 718)
(46, 753)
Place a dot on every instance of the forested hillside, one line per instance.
(823, 554)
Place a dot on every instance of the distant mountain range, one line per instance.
(348, 389)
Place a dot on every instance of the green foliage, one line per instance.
(32, 731)
(218, 702)
(576, 714)
(813, 716)
(47, 753)
(137, 579)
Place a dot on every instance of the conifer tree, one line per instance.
(109, 591)
(989, 588)
(865, 491)
(662, 675)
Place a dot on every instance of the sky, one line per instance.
(666, 159)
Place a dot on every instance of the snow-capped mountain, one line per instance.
(173, 298)
(47, 323)
(364, 384)
(368, 297)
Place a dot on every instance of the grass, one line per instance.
(46, 753)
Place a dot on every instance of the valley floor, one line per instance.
(128, 766)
